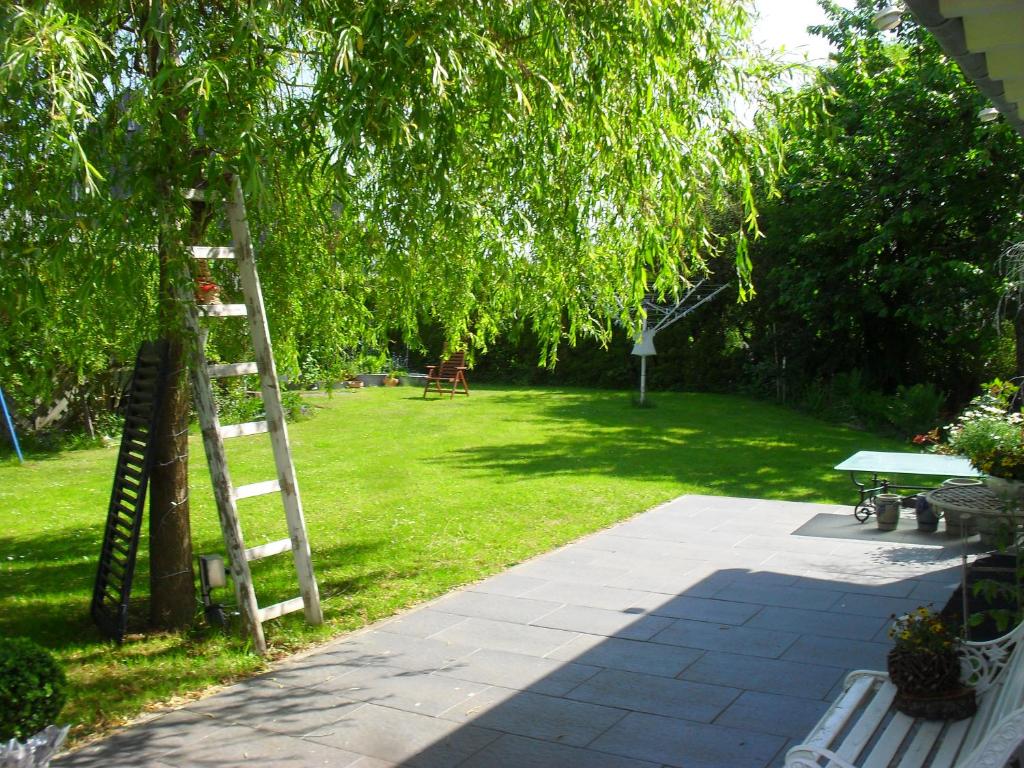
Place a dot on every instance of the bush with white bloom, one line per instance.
(990, 432)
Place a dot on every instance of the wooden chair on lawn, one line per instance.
(451, 371)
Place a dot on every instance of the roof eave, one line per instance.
(949, 31)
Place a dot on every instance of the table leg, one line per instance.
(865, 507)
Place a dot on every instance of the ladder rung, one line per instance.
(241, 430)
(212, 252)
(268, 549)
(223, 370)
(279, 609)
(222, 310)
(257, 489)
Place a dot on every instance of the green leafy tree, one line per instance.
(880, 251)
(460, 163)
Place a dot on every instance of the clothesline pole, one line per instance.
(643, 378)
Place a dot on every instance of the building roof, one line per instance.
(986, 38)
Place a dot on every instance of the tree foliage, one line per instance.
(464, 163)
(880, 251)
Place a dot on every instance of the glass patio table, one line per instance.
(883, 464)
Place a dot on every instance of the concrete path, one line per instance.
(706, 633)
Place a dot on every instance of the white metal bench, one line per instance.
(862, 730)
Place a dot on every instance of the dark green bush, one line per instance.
(32, 688)
(916, 409)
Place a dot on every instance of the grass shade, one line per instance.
(405, 498)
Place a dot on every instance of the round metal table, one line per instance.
(986, 510)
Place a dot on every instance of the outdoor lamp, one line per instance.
(212, 575)
(988, 114)
(888, 18)
(212, 572)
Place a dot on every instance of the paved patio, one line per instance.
(706, 633)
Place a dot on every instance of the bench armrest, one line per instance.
(859, 673)
(858, 684)
(810, 756)
(1000, 743)
(982, 662)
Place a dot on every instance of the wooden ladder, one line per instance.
(214, 434)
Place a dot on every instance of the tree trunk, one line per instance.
(1018, 334)
(171, 579)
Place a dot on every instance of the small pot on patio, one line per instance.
(924, 665)
(887, 511)
(927, 519)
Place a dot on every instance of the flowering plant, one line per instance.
(990, 433)
(922, 630)
(207, 291)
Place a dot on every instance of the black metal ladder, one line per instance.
(113, 585)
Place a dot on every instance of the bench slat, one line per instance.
(862, 728)
(951, 742)
(839, 715)
(868, 722)
(888, 745)
(922, 743)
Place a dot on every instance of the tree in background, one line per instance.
(463, 163)
(880, 253)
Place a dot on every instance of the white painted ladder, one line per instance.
(214, 434)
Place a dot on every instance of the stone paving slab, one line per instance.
(515, 670)
(792, 678)
(685, 744)
(758, 711)
(656, 695)
(704, 633)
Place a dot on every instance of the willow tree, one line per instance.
(468, 162)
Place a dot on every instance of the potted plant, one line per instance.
(207, 291)
(990, 433)
(924, 665)
(32, 693)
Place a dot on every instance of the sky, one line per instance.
(783, 23)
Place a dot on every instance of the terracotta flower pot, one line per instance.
(207, 292)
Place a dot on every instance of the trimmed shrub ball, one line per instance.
(33, 688)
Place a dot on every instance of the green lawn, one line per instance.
(404, 499)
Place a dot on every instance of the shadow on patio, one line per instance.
(707, 633)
